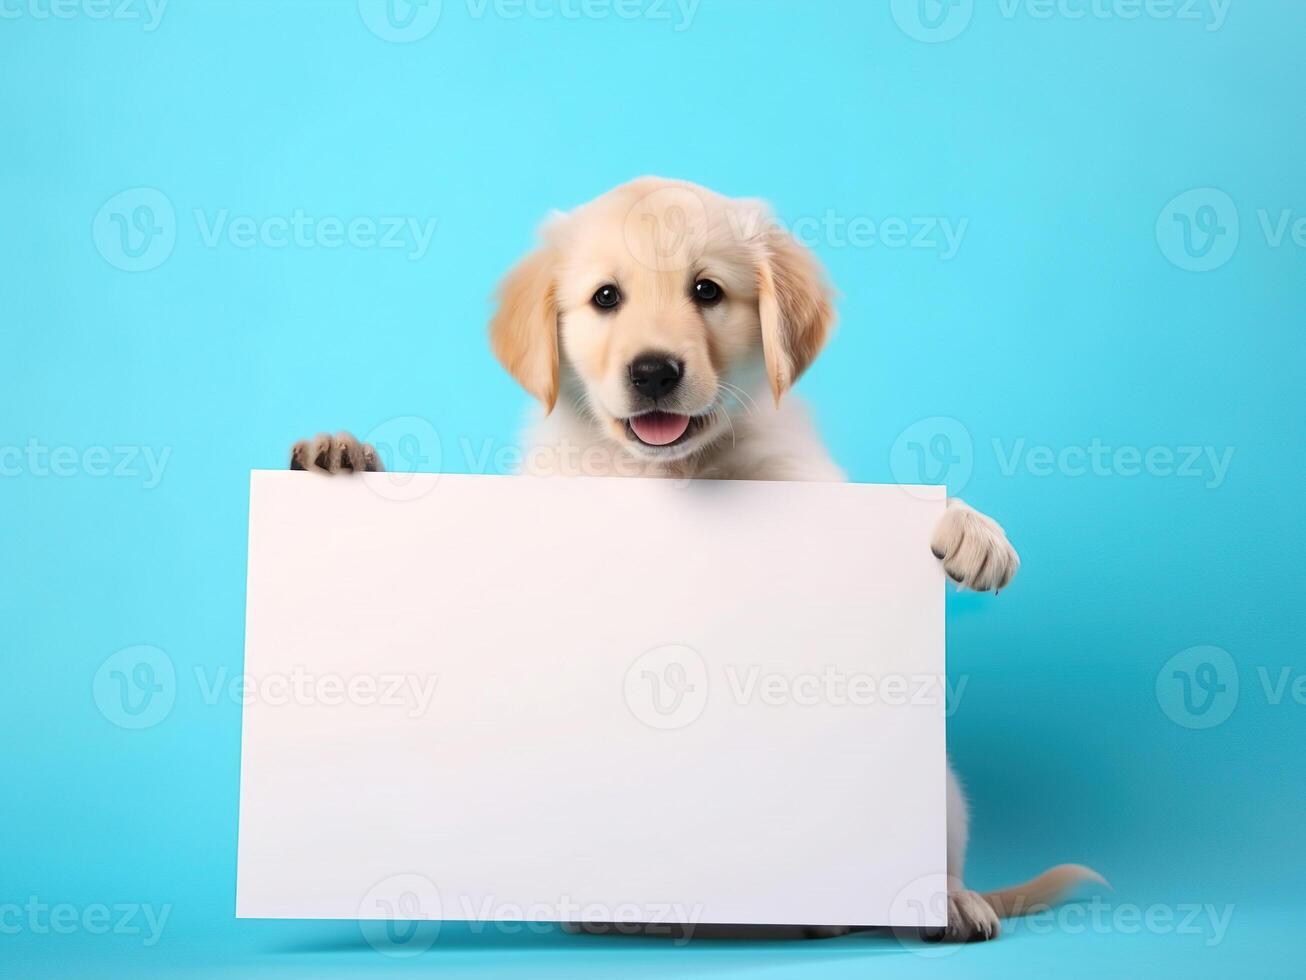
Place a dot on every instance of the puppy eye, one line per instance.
(606, 297)
(707, 293)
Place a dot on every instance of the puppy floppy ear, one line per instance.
(794, 305)
(524, 329)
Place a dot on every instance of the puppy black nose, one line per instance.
(654, 375)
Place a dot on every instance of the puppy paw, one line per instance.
(974, 549)
(971, 919)
(339, 453)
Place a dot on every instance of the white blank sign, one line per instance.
(493, 698)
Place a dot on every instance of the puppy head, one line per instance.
(648, 305)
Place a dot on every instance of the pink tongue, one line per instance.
(659, 428)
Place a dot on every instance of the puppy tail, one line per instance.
(1050, 887)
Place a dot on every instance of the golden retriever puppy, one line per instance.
(661, 327)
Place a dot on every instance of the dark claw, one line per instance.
(937, 554)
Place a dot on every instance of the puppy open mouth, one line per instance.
(663, 429)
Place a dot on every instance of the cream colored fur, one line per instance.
(653, 239)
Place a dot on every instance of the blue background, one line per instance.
(1063, 318)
